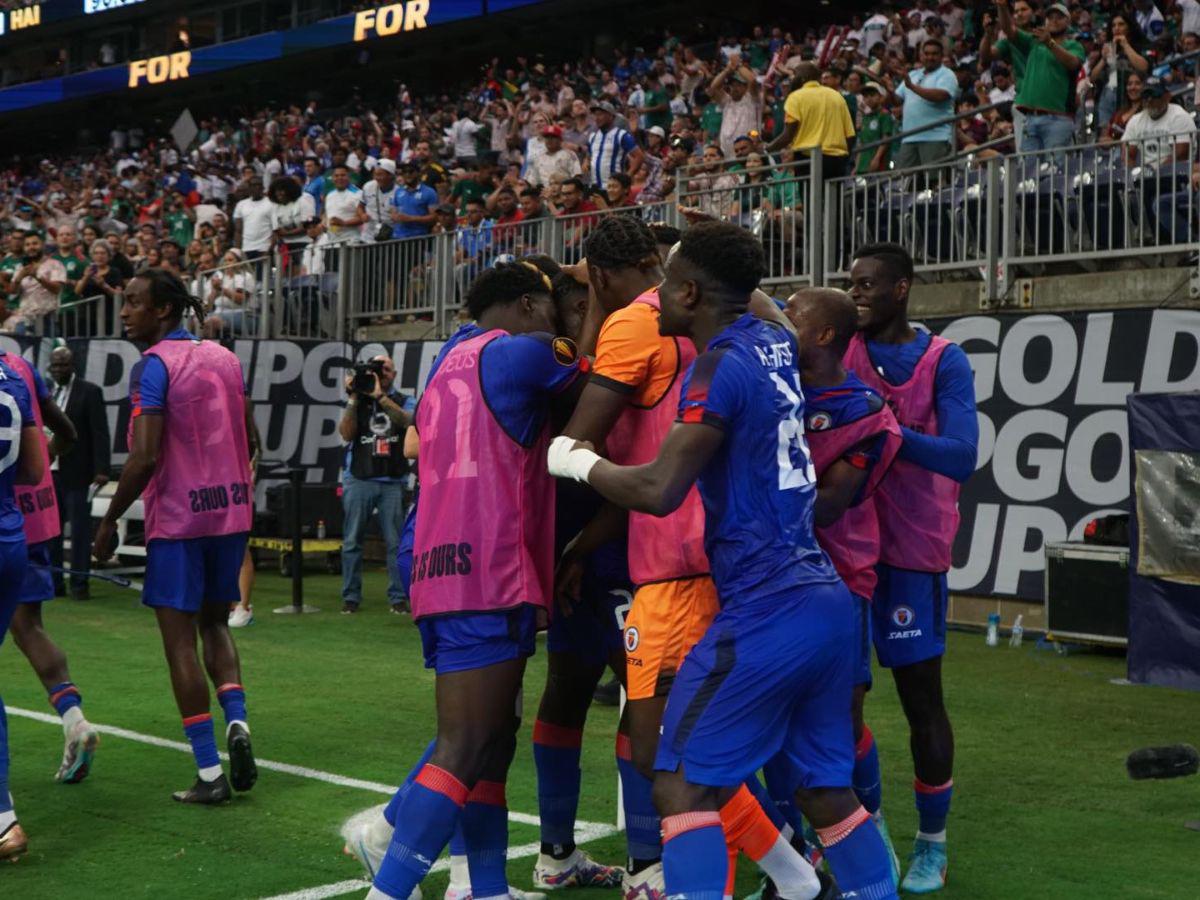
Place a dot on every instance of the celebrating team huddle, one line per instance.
(725, 499)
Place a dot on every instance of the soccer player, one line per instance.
(629, 405)
(927, 382)
(771, 673)
(21, 462)
(853, 437)
(584, 638)
(482, 566)
(39, 505)
(189, 453)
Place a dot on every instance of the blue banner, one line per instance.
(387, 22)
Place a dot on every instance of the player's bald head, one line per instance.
(825, 310)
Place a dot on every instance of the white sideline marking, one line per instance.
(586, 831)
(594, 829)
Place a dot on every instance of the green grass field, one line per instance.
(1042, 807)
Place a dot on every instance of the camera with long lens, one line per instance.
(365, 374)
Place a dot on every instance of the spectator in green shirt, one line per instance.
(657, 110)
(67, 253)
(1046, 93)
(180, 220)
(877, 124)
(710, 121)
(475, 187)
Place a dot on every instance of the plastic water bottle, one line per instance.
(1017, 633)
(320, 529)
(993, 630)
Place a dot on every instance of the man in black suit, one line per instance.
(85, 465)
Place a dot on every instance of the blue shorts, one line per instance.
(862, 640)
(187, 573)
(770, 675)
(473, 640)
(38, 584)
(909, 616)
(593, 630)
(13, 563)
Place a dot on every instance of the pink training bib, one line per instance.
(660, 549)
(917, 508)
(201, 485)
(38, 503)
(852, 542)
(485, 524)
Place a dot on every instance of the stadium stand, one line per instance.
(996, 176)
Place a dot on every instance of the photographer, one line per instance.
(373, 426)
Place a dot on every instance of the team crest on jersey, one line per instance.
(632, 638)
(565, 351)
(819, 421)
(903, 616)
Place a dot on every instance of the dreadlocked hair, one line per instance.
(505, 283)
(166, 289)
(619, 241)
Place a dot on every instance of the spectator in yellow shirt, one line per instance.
(816, 116)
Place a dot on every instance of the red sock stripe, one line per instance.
(229, 687)
(835, 834)
(624, 747)
(196, 720)
(442, 782)
(489, 792)
(922, 788)
(549, 735)
(65, 692)
(865, 743)
(674, 826)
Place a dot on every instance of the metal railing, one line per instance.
(97, 316)
(426, 278)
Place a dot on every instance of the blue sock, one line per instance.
(5, 799)
(64, 696)
(642, 825)
(695, 862)
(556, 752)
(232, 698)
(781, 790)
(933, 805)
(389, 811)
(858, 857)
(458, 841)
(485, 833)
(199, 731)
(867, 781)
(426, 818)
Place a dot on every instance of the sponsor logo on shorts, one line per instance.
(902, 617)
(819, 421)
(632, 638)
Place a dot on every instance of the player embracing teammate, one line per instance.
(927, 382)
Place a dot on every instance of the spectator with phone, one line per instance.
(1046, 95)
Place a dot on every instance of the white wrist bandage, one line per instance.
(564, 460)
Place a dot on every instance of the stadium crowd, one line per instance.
(696, 122)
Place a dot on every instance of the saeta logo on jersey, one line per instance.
(819, 422)
(902, 618)
(632, 638)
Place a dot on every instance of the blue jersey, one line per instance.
(838, 405)
(16, 412)
(952, 451)
(759, 487)
(148, 379)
